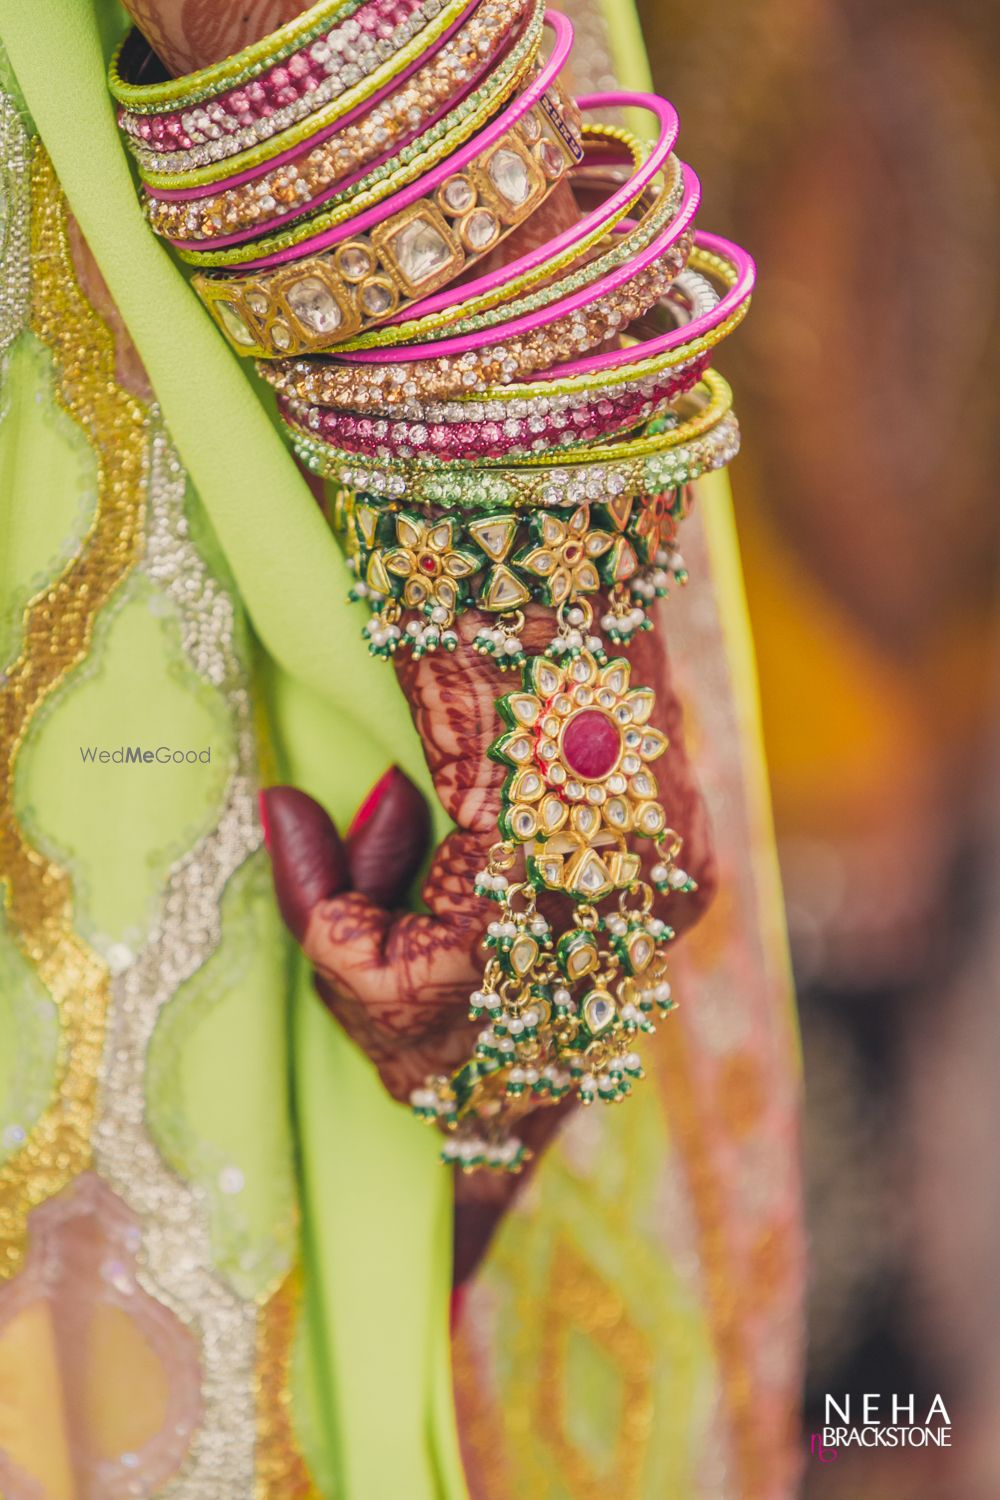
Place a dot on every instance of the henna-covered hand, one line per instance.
(399, 981)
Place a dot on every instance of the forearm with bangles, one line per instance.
(399, 982)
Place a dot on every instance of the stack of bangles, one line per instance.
(504, 434)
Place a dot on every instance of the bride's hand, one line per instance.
(399, 981)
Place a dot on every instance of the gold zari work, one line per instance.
(96, 1118)
(58, 626)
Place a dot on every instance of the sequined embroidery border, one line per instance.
(175, 1261)
(246, 1412)
(58, 626)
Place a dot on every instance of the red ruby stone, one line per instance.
(591, 744)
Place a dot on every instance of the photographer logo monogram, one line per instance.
(873, 1420)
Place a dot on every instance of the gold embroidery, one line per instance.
(280, 1469)
(579, 1301)
(723, 1294)
(58, 625)
(58, 628)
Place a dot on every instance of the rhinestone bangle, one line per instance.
(192, 88)
(285, 92)
(443, 103)
(590, 421)
(705, 437)
(530, 406)
(278, 135)
(303, 385)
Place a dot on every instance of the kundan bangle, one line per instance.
(416, 567)
(383, 389)
(441, 99)
(632, 293)
(449, 310)
(314, 303)
(588, 316)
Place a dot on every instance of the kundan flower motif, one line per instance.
(579, 746)
(565, 555)
(428, 562)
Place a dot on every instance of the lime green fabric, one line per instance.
(375, 1203)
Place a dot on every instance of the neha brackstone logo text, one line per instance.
(135, 755)
(875, 1421)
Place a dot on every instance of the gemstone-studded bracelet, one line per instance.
(382, 261)
(561, 1009)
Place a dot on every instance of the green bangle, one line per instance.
(229, 72)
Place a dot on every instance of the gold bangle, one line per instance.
(314, 303)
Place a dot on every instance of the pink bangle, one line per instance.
(490, 338)
(422, 187)
(744, 273)
(619, 201)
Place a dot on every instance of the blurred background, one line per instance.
(854, 147)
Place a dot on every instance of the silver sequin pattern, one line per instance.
(15, 219)
(176, 1259)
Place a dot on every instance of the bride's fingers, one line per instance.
(384, 849)
(388, 839)
(308, 860)
(408, 972)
